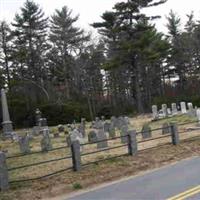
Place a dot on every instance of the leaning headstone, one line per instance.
(123, 134)
(155, 112)
(92, 136)
(24, 144)
(166, 128)
(146, 131)
(7, 124)
(46, 141)
(183, 108)
(4, 183)
(164, 110)
(101, 136)
(191, 110)
(174, 109)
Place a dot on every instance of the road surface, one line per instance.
(174, 182)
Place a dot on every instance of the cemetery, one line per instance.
(41, 153)
(85, 105)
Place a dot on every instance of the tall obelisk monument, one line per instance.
(7, 124)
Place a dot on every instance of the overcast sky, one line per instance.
(91, 10)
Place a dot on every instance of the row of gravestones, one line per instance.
(165, 111)
(24, 142)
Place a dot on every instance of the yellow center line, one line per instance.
(186, 194)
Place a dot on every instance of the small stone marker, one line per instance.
(164, 110)
(146, 131)
(191, 110)
(61, 128)
(46, 141)
(155, 112)
(4, 184)
(174, 109)
(24, 144)
(124, 132)
(183, 107)
(56, 135)
(92, 136)
(166, 128)
(101, 136)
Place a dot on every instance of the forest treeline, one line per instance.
(52, 64)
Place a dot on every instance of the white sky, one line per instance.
(91, 10)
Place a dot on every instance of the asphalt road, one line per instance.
(160, 184)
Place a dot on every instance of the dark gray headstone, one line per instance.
(92, 136)
(46, 141)
(106, 127)
(123, 133)
(61, 128)
(24, 144)
(101, 136)
(146, 131)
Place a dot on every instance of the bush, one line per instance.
(77, 186)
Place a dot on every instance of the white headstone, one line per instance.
(174, 109)
(164, 110)
(155, 111)
(183, 107)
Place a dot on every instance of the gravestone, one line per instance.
(76, 135)
(92, 136)
(146, 131)
(164, 110)
(174, 109)
(124, 132)
(38, 116)
(155, 112)
(56, 135)
(61, 128)
(81, 127)
(183, 107)
(126, 120)
(14, 137)
(102, 118)
(114, 121)
(166, 128)
(106, 127)
(24, 144)
(191, 111)
(42, 122)
(36, 130)
(169, 112)
(7, 124)
(101, 136)
(4, 182)
(46, 141)
(112, 132)
(198, 116)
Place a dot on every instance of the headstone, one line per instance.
(191, 110)
(4, 183)
(38, 116)
(124, 133)
(14, 137)
(101, 136)
(164, 110)
(146, 131)
(42, 122)
(76, 135)
(7, 124)
(114, 121)
(81, 127)
(61, 128)
(112, 132)
(126, 120)
(102, 118)
(174, 109)
(155, 112)
(169, 112)
(198, 115)
(120, 122)
(92, 136)
(166, 128)
(183, 107)
(106, 127)
(36, 130)
(46, 141)
(24, 144)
